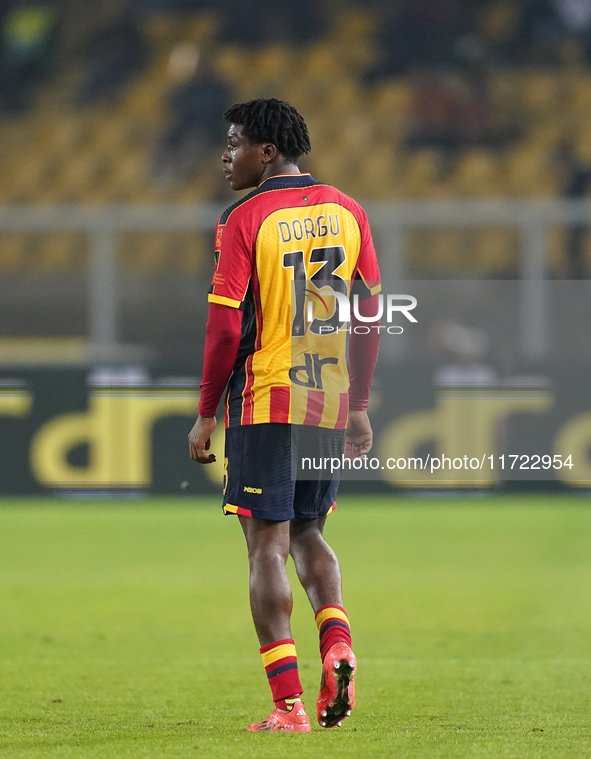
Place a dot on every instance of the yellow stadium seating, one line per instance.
(60, 251)
(102, 153)
(477, 175)
(496, 251)
(529, 173)
(422, 174)
(579, 100)
(160, 250)
(541, 94)
(16, 249)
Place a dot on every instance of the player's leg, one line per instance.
(271, 604)
(259, 489)
(316, 563)
(319, 573)
(270, 594)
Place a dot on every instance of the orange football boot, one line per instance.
(295, 721)
(337, 687)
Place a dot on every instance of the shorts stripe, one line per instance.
(231, 509)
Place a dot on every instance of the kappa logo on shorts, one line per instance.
(258, 491)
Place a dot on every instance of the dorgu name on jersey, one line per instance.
(308, 227)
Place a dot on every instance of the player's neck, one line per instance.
(273, 170)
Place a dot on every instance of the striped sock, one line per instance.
(281, 665)
(333, 626)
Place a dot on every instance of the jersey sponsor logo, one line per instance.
(258, 491)
(311, 370)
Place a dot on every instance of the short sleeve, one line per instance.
(233, 266)
(366, 278)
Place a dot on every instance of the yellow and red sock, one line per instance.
(281, 665)
(333, 626)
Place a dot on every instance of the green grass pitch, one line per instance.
(125, 631)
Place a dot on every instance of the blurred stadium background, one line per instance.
(461, 125)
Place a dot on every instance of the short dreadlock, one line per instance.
(274, 121)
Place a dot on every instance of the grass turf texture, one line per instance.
(125, 631)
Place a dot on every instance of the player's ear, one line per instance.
(270, 152)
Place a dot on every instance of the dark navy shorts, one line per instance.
(262, 472)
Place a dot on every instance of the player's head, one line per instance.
(264, 133)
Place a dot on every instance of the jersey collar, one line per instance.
(287, 179)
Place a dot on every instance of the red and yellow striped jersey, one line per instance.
(283, 253)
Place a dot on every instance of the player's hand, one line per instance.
(200, 440)
(359, 437)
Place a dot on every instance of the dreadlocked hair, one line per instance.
(275, 121)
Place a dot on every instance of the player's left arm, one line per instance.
(363, 348)
(363, 354)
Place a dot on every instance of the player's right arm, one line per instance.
(222, 341)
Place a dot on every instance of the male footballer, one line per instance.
(285, 254)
